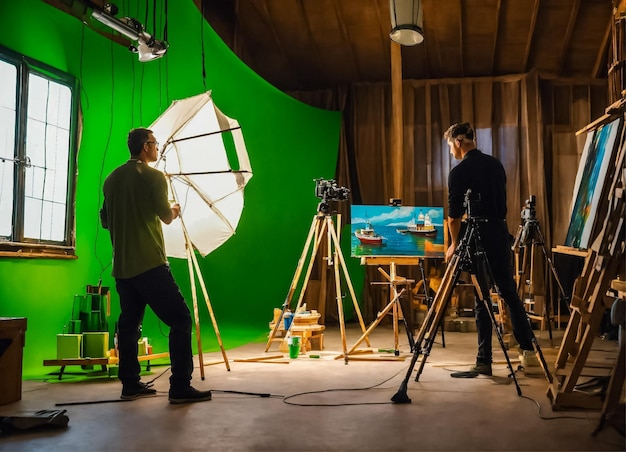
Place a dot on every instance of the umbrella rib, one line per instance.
(210, 202)
(203, 135)
(200, 173)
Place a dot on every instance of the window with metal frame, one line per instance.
(38, 148)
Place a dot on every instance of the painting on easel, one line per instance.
(397, 231)
(589, 183)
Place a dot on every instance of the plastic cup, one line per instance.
(294, 347)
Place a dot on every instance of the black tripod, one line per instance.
(469, 256)
(528, 237)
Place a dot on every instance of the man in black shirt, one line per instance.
(486, 178)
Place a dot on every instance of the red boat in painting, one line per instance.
(367, 235)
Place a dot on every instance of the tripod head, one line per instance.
(529, 212)
(471, 203)
(529, 223)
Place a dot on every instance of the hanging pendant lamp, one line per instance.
(406, 22)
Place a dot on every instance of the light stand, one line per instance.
(194, 271)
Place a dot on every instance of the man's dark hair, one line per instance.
(458, 129)
(136, 139)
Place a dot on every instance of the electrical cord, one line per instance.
(287, 398)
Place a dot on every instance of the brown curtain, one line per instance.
(540, 153)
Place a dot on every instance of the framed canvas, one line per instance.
(397, 231)
(594, 162)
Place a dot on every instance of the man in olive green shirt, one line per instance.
(135, 204)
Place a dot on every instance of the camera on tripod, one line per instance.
(328, 190)
(529, 212)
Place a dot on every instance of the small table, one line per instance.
(104, 362)
(304, 326)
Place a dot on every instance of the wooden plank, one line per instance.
(75, 361)
(258, 358)
(386, 260)
(264, 360)
(376, 358)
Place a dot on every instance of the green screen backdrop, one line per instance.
(290, 144)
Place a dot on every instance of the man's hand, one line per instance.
(450, 252)
(175, 211)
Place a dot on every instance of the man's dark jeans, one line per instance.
(495, 240)
(158, 289)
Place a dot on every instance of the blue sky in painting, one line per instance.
(394, 216)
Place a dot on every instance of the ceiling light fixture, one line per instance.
(147, 47)
(406, 22)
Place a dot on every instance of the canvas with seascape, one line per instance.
(594, 162)
(397, 231)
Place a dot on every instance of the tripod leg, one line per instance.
(406, 326)
(210, 309)
(434, 315)
(541, 358)
(429, 300)
(486, 300)
(481, 281)
(314, 229)
(347, 277)
(194, 298)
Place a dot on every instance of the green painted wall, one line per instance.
(289, 144)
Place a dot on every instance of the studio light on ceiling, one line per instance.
(147, 47)
(406, 22)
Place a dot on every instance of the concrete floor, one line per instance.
(319, 404)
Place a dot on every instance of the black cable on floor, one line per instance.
(286, 399)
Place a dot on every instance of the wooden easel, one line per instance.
(603, 261)
(321, 226)
(395, 292)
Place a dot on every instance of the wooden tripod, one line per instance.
(322, 223)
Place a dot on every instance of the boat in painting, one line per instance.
(422, 227)
(368, 236)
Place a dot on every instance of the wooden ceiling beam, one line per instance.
(531, 33)
(568, 36)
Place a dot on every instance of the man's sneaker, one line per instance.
(189, 395)
(481, 368)
(131, 392)
(530, 363)
(528, 358)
